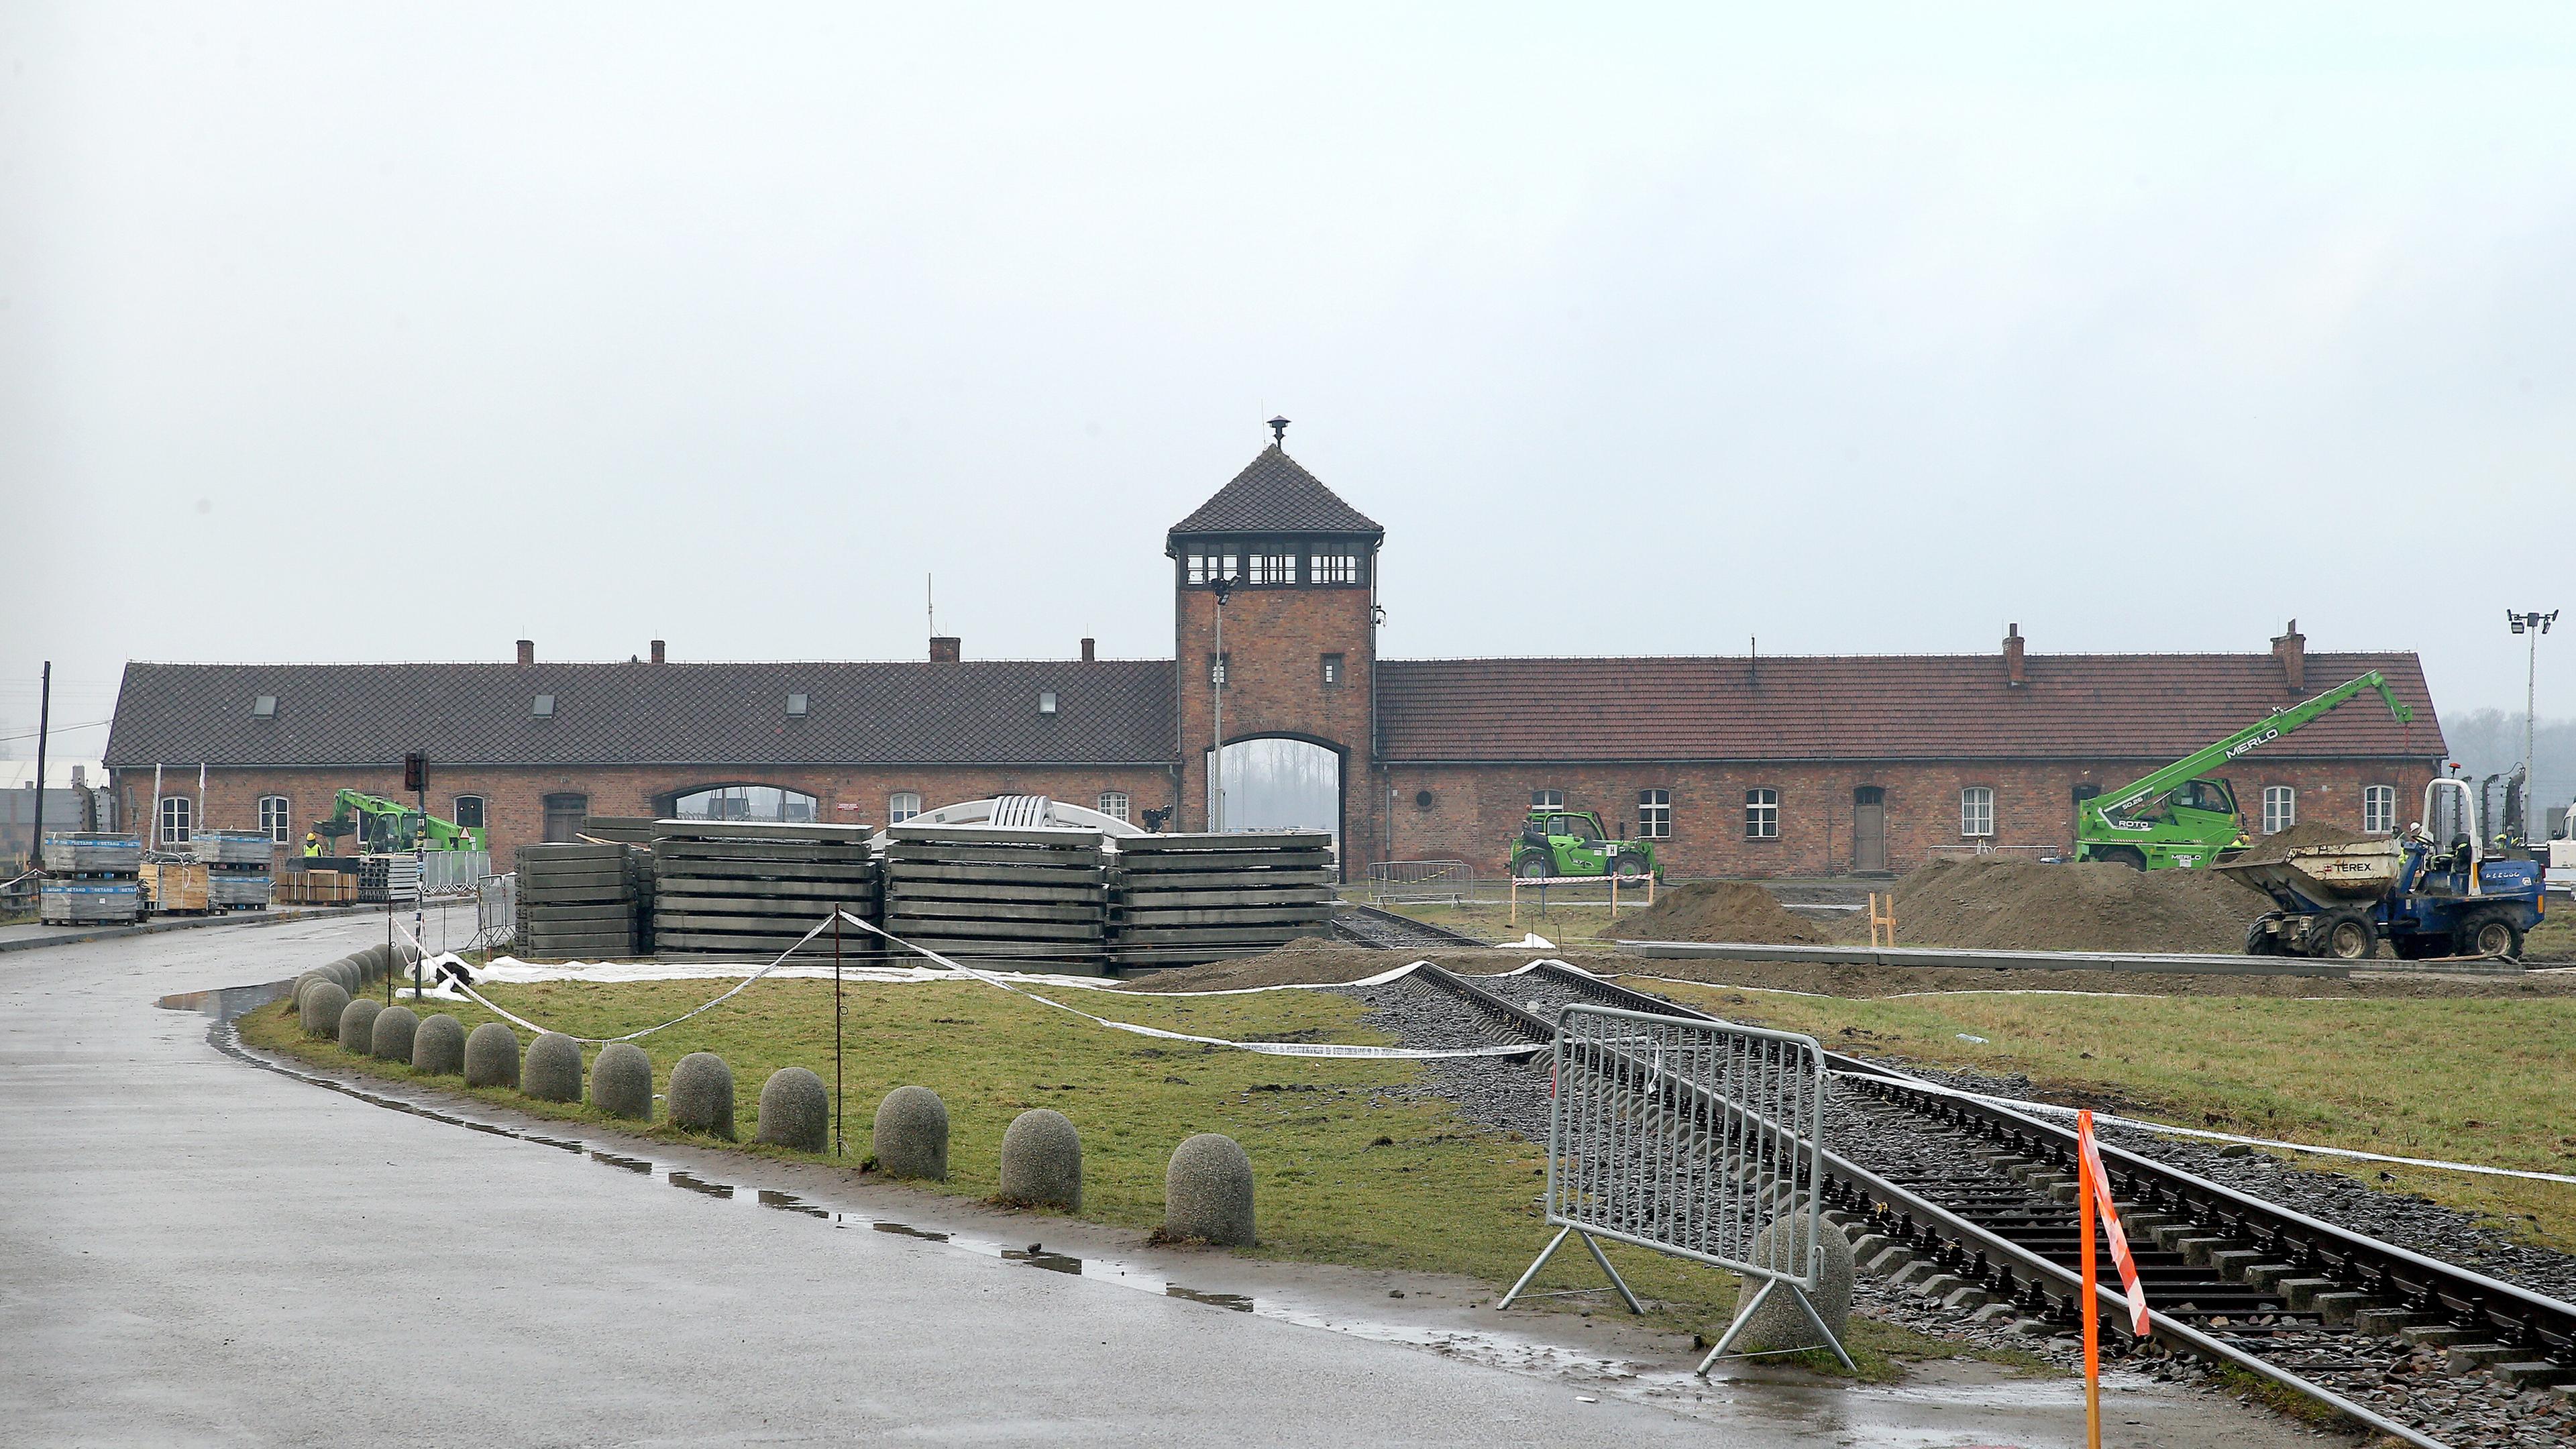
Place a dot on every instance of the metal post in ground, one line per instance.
(839, 1109)
(44, 724)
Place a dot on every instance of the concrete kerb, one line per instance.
(621, 1081)
(1042, 1160)
(491, 1056)
(701, 1094)
(552, 1071)
(796, 1111)
(438, 1047)
(1207, 1192)
(912, 1134)
(391, 1039)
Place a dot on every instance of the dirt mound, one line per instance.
(1306, 959)
(2278, 847)
(1722, 911)
(2020, 905)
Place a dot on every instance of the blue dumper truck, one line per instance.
(2429, 890)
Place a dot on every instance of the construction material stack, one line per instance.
(1183, 900)
(748, 892)
(389, 879)
(576, 901)
(175, 887)
(92, 878)
(237, 866)
(1032, 898)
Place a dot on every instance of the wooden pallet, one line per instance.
(1184, 900)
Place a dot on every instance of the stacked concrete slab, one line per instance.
(92, 878)
(1034, 898)
(1183, 900)
(576, 901)
(743, 891)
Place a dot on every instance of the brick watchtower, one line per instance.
(1300, 608)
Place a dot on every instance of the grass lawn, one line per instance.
(1344, 1172)
(1574, 915)
(2480, 1080)
(2555, 940)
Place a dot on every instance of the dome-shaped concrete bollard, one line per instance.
(439, 1046)
(1779, 1324)
(320, 1012)
(621, 1081)
(553, 1069)
(795, 1111)
(358, 1025)
(1207, 1192)
(1042, 1160)
(395, 1028)
(304, 983)
(912, 1134)
(701, 1094)
(491, 1056)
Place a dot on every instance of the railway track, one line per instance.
(1387, 931)
(1972, 1205)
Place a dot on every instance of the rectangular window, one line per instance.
(468, 811)
(1272, 568)
(2379, 809)
(1547, 799)
(1217, 667)
(1654, 814)
(2280, 808)
(263, 706)
(901, 806)
(543, 708)
(1977, 812)
(1046, 701)
(1333, 568)
(178, 814)
(275, 817)
(1762, 814)
(1207, 568)
(1113, 803)
(1332, 670)
(797, 705)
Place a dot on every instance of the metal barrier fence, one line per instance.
(1695, 1138)
(1447, 882)
(496, 911)
(452, 872)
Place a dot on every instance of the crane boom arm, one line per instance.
(2262, 732)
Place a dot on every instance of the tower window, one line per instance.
(1332, 670)
(1333, 568)
(1207, 568)
(1217, 667)
(1273, 568)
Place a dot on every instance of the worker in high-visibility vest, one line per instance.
(312, 845)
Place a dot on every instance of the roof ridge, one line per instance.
(1276, 492)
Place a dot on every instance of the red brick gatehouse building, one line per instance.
(1741, 766)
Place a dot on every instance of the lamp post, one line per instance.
(2533, 623)
(1222, 586)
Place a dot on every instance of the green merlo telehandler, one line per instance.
(389, 827)
(2181, 817)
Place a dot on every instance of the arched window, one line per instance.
(746, 802)
(2280, 808)
(276, 818)
(1113, 803)
(2379, 809)
(901, 806)
(178, 819)
(1977, 812)
(1762, 814)
(468, 812)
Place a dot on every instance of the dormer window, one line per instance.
(544, 708)
(1046, 701)
(796, 706)
(263, 706)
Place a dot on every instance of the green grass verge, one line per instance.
(1351, 1167)
(2465, 1079)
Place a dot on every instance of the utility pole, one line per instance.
(1216, 756)
(44, 723)
(2533, 623)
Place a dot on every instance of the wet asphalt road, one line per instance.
(196, 1251)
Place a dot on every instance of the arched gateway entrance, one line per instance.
(1283, 784)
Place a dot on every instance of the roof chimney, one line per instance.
(2292, 650)
(657, 653)
(527, 651)
(945, 648)
(1086, 651)
(2014, 674)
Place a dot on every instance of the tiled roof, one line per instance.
(2098, 706)
(1273, 494)
(985, 712)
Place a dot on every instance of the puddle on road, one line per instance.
(1830, 1408)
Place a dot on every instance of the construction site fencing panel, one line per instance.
(1689, 1137)
(1393, 882)
(452, 872)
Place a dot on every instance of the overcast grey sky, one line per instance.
(336, 332)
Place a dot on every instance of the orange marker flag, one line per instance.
(2101, 1188)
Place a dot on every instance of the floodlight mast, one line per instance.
(1222, 585)
(2532, 623)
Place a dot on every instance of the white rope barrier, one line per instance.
(467, 987)
(2167, 1128)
